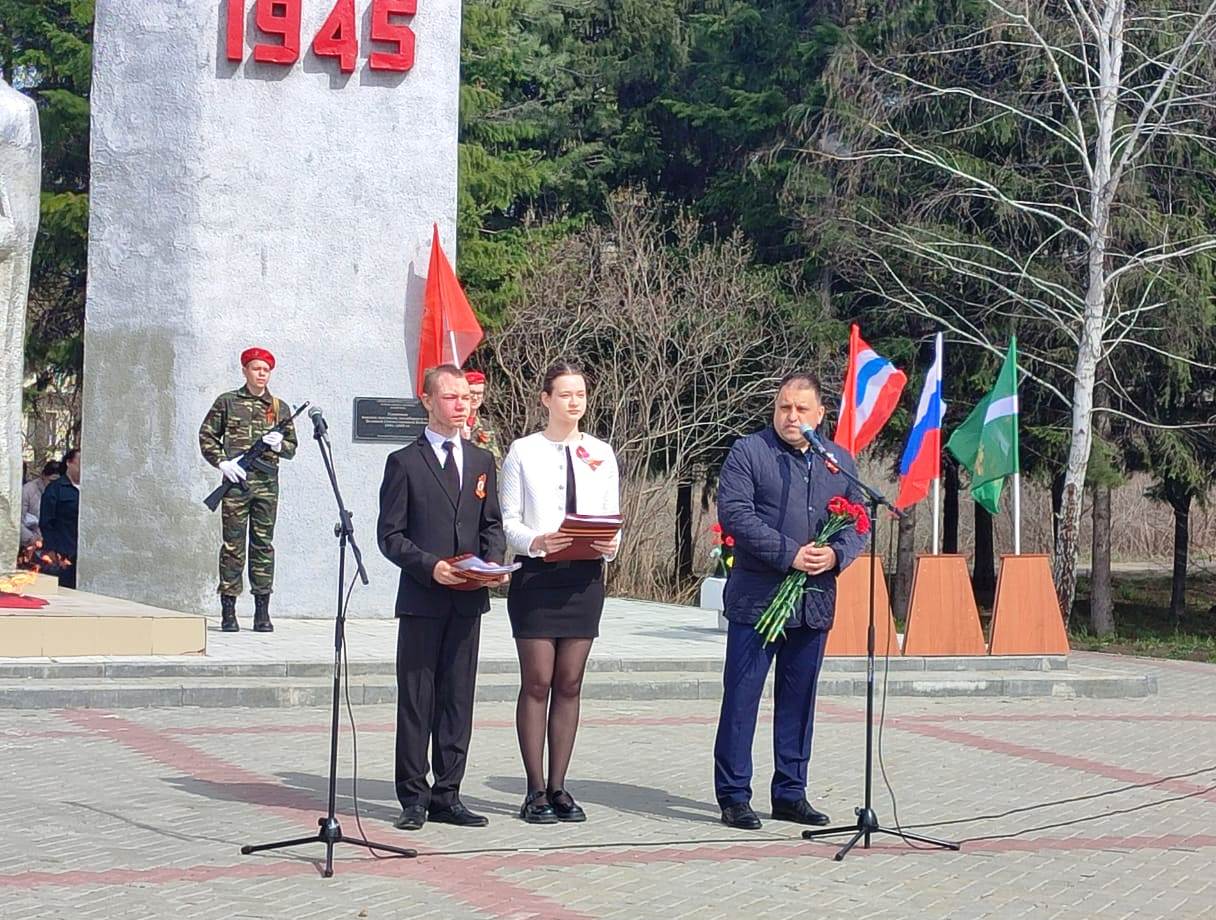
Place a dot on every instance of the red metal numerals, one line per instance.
(236, 30)
(385, 30)
(337, 38)
(282, 18)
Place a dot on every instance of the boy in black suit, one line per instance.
(439, 499)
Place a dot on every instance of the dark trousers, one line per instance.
(436, 675)
(799, 656)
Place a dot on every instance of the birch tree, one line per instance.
(1044, 167)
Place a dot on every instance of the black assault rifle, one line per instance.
(251, 460)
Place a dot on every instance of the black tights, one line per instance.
(551, 679)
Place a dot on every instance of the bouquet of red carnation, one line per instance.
(723, 552)
(842, 514)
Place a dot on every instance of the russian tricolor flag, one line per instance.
(922, 459)
(872, 386)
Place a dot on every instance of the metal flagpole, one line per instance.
(937, 509)
(1017, 514)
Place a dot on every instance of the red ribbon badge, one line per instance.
(582, 454)
(480, 491)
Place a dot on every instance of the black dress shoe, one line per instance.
(741, 816)
(800, 812)
(537, 810)
(412, 818)
(565, 807)
(457, 814)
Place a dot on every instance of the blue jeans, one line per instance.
(799, 657)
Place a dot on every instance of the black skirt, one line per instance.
(556, 600)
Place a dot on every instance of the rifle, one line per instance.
(251, 460)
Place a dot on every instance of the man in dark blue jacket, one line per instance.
(772, 498)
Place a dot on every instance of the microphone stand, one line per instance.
(867, 820)
(330, 832)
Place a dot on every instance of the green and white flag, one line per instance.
(987, 442)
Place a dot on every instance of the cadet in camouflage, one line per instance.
(236, 421)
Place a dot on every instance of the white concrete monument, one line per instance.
(264, 172)
(20, 183)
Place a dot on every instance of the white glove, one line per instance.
(232, 470)
(273, 440)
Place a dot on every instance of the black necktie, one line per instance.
(451, 475)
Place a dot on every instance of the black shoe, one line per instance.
(228, 621)
(457, 814)
(800, 812)
(741, 816)
(412, 818)
(565, 807)
(537, 810)
(261, 613)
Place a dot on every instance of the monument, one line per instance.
(264, 172)
(20, 183)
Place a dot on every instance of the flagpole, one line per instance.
(1017, 514)
(452, 342)
(1017, 460)
(937, 507)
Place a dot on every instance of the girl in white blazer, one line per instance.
(555, 607)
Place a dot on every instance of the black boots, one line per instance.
(261, 613)
(228, 621)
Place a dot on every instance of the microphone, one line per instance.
(817, 445)
(320, 430)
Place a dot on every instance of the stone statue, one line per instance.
(20, 181)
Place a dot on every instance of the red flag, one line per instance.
(450, 331)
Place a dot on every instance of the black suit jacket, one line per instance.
(420, 524)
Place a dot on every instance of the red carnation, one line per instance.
(863, 520)
(716, 528)
(730, 541)
(839, 505)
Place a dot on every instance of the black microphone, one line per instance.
(320, 430)
(817, 445)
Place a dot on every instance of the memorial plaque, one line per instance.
(397, 421)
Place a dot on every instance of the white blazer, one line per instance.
(532, 487)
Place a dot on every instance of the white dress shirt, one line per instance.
(532, 487)
(437, 441)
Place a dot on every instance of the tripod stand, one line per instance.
(867, 821)
(330, 832)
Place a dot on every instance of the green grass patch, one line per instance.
(1143, 624)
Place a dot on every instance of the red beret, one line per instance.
(257, 354)
(474, 376)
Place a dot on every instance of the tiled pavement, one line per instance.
(142, 813)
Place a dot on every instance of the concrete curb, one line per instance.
(252, 691)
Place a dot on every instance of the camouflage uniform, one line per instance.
(483, 436)
(235, 423)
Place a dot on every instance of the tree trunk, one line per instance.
(1101, 593)
(1102, 187)
(983, 573)
(1101, 597)
(905, 565)
(1057, 503)
(1180, 500)
(949, 505)
(683, 533)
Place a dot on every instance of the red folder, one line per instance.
(586, 529)
(471, 582)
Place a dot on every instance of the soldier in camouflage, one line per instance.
(238, 420)
(478, 429)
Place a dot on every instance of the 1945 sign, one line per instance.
(338, 37)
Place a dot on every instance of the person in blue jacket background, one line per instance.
(772, 498)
